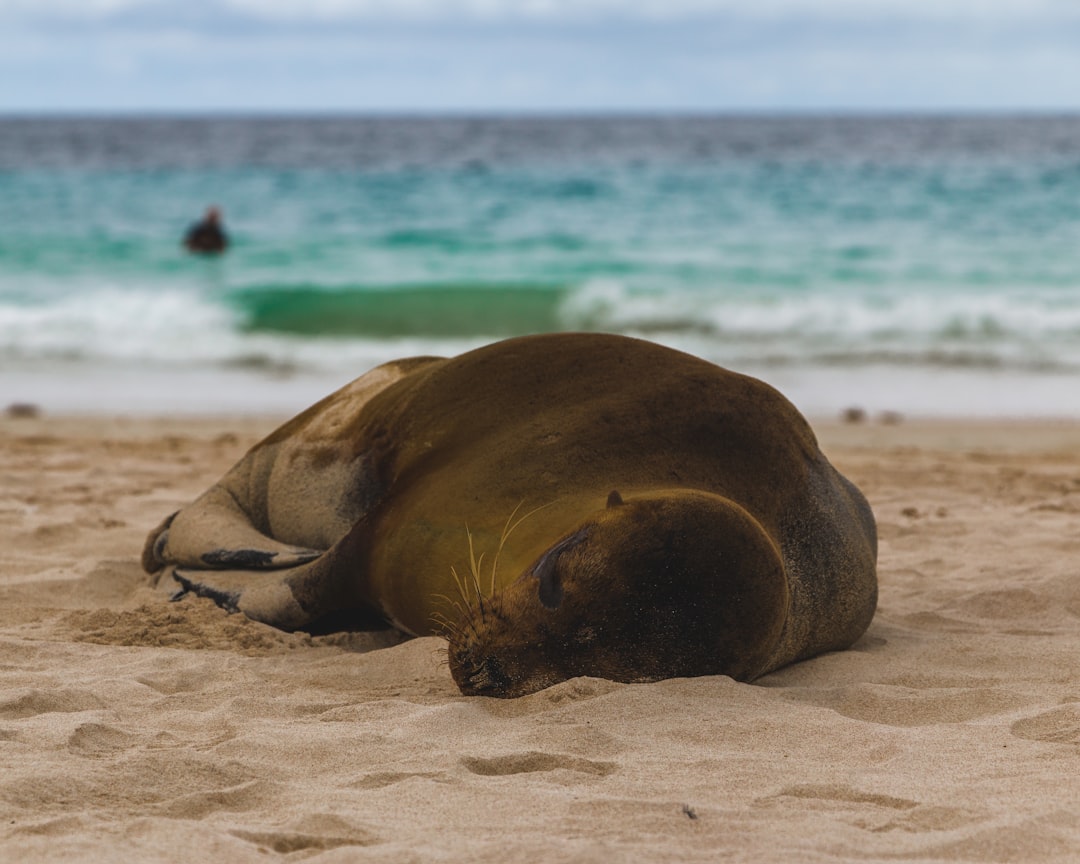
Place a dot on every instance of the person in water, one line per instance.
(207, 237)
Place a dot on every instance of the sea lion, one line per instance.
(555, 505)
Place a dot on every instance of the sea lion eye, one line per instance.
(546, 570)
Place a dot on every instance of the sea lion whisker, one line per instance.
(469, 627)
(452, 602)
(502, 542)
(474, 567)
(438, 618)
(443, 625)
(509, 529)
(472, 553)
(476, 577)
(474, 563)
(511, 516)
(461, 587)
(522, 519)
(444, 651)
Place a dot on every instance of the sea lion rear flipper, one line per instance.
(292, 598)
(215, 532)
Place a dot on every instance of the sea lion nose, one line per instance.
(487, 677)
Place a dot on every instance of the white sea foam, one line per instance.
(108, 348)
(1020, 329)
(174, 328)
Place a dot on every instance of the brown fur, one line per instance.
(733, 548)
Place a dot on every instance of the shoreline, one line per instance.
(913, 392)
(1007, 434)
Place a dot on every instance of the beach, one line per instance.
(136, 729)
(895, 269)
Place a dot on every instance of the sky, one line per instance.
(498, 56)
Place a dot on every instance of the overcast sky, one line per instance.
(538, 55)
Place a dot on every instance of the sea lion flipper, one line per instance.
(291, 598)
(259, 594)
(215, 532)
(273, 597)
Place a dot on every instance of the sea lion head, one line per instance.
(667, 585)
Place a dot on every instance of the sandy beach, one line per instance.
(134, 729)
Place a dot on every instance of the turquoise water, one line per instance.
(826, 254)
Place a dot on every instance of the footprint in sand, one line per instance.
(911, 706)
(53, 534)
(1004, 604)
(98, 739)
(1057, 726)
(871, 811)
(382, 779)
(534, 761)
(867, 810)
(33, 702)
(310, 834)
(237, 798)
(831, 794)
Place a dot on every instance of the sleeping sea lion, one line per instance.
(556, 505)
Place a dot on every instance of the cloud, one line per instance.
(31, 10)
(976, 11)
(478, 55)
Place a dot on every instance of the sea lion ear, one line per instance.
(550, 589)
(546, 570)
(614, 499)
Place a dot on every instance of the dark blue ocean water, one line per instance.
(817, 251)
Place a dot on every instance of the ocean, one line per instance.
(926, 265)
